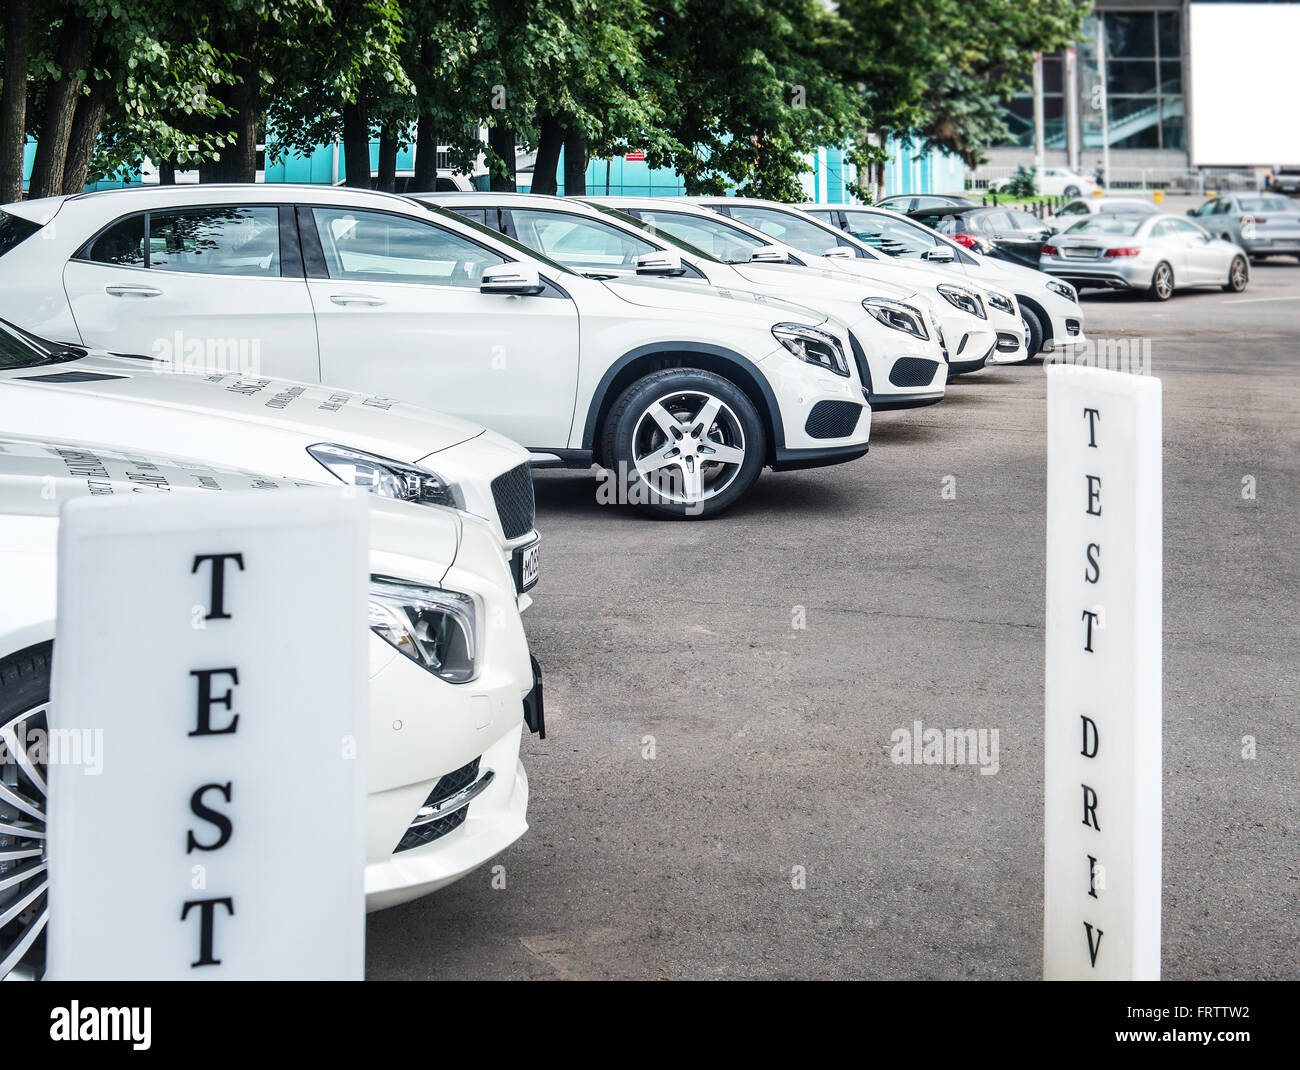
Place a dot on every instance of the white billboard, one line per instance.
(1242, 59)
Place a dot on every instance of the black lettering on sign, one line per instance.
(201, 810)
(1094, 495)
(1093, 415)
(1090, 807)
(1091, 618)
(1092, 573)
(206, 702)
(1093, 951)
(1092, 876)
(207, 924)
(1089, 723)
(217, 609)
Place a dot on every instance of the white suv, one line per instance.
(896, 332)
(687, 393)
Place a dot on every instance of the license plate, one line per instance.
(527, 562)
(1082, 254)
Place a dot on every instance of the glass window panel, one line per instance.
(378, 247)
(1170, 32)
(1172, 130)
(1171, 76)
(122, 244)
(1128, 77)
(1130, 36)
(581, 244)
(221, 240)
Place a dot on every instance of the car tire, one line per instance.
(1072, 191)
(24, 696)
(1238, 276)
(678, 481)
(1162, 282)
(1034, 328)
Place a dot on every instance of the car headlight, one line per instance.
(385, 477)
(966, 300)
(1064, 289)
(812, 346)
(436, 629)
(1001, 302)
(897, 315)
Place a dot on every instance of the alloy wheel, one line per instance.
(1164, 282)
(1237, 277)
(689, 446)
(24, 873)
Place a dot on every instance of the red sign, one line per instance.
(635, 154)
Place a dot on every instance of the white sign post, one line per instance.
(211, 650)
(1103, 697)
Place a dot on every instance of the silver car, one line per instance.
(1155, 254)
(1264, 224)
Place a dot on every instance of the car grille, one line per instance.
(832, 419)
(447, 786)
(513, 494)
(912, 371)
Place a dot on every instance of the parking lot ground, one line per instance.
(771, 743)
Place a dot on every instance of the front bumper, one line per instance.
(1065, 317)
(1284, 246)
(820, 411)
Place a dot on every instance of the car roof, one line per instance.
(145, 197)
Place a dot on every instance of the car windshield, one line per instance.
(1108, 224)
(497, 236)
(18, 349)
(1266, 204)
(662, 232)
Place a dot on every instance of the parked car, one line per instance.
(915, 202)
(1058, 182)
(299, 430)
(1004, 233)
(1080, 207)
(984, 325)
(373, 292)
(1264, 224)
(1156, 254)
(1286, 179)
(1048, 309)
(813, 237)
(898, 352)
(445, 794)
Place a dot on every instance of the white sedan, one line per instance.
(291, 429)
(451, 678)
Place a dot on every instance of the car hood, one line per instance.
(804, 282)
(1003, 271)
(378, 425)
(672, 295)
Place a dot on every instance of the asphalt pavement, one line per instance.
(716, 797)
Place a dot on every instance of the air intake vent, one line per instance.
(832, 419)
(513, 493)
(912, 371)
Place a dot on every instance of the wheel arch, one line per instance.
(657, 356)
(1044, 320)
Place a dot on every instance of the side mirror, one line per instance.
(839, 252)
(769, 254)
(1192, 212)
(661, 263)
(940, 254)
(519, 279)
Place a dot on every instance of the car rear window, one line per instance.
(14, 230)
(1108, 224)
(1265, 204)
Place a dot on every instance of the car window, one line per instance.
(1107, 224)
(897, 204)
(478, 215)
(1187, 229)
(929, 202)
(578, 243)
(381, 247)
(14, 230)
(1222, 205)
(220, 240)
(712, 235)
(1075, 208)
(122, 244)
(893, 237)
(1127, 208)
(1265, 204)
(1163, 229)
(802, 234)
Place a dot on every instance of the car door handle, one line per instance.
(356, 299)
(132, 291)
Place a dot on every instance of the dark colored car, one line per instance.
(1005, 233)
(915, 202)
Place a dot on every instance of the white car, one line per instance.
(1059, 182)
(300, 430)
(1049, 308)
(687, 393)
(973, 322)
(899, 351)
(815, 237)
(1082, 207)
(449, 664)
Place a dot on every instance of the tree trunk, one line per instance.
(548, 155)
(166, 172)
(239, 161)
(501, 140)
(575, 163)
(86, 121)
(425, 179)
(60, 106)
(387, 179)
(356, 145)
(13, 100)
